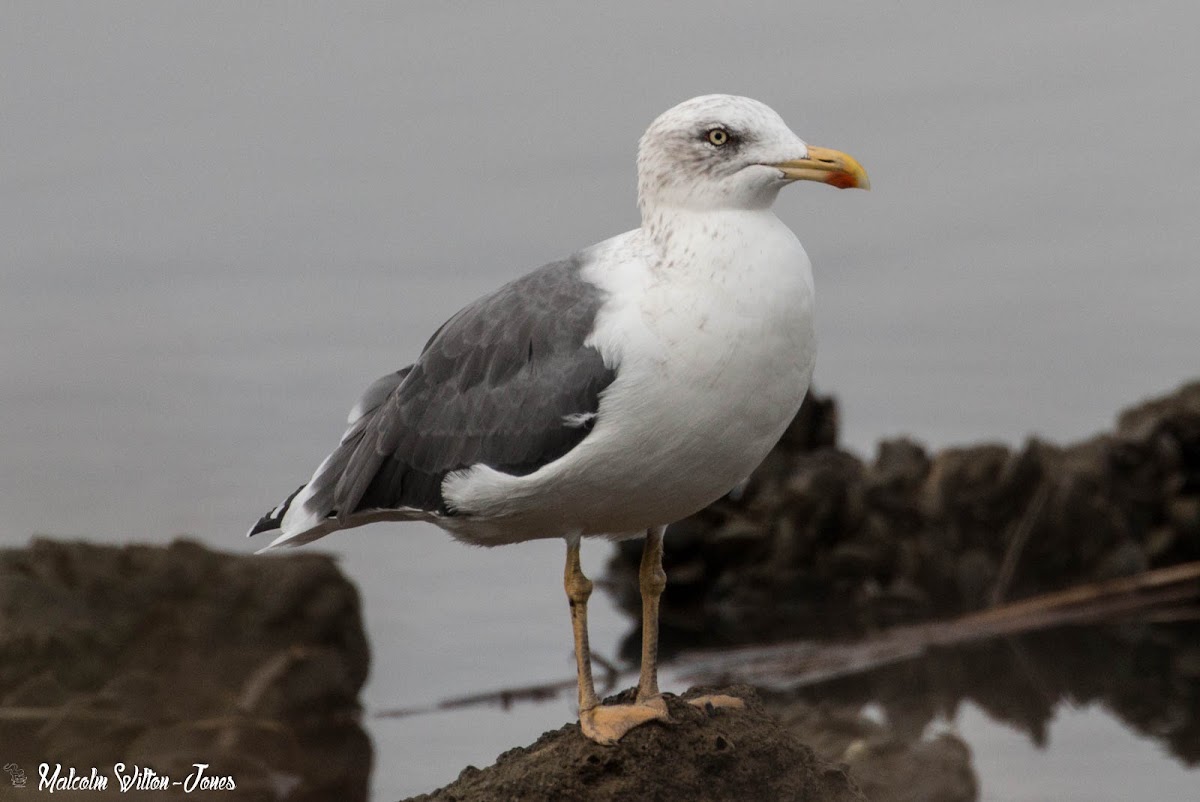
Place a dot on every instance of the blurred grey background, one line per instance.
(220, 221)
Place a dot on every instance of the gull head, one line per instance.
(728, 152)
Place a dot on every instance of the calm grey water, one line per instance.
(219, 222)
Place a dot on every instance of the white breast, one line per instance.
(714, 344)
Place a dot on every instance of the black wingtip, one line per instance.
(265, 524)
(271, 521)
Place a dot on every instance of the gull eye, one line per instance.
(717, 136)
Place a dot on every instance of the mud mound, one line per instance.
(703, 755)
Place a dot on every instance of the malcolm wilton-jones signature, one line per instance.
(57, 777)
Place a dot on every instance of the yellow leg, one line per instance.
(579, 589)
(653, 580)
(605, 724)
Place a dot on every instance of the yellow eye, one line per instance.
(717, 136)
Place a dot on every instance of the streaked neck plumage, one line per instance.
(670, 205)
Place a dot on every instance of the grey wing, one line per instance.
(508, 382)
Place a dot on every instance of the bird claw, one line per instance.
(607, 724)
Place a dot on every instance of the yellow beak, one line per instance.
(827, 166)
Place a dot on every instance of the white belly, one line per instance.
(712, 366)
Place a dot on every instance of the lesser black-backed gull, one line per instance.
(608, 394)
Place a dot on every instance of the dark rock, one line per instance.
(169, 656)
(1178, 412)
(1183, 515)
(901, 601)
(1125, 559)
(815, 425)
(901, 467)
(976, 575)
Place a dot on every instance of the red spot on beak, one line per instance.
(842, 180)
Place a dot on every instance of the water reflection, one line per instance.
(1146, 675)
